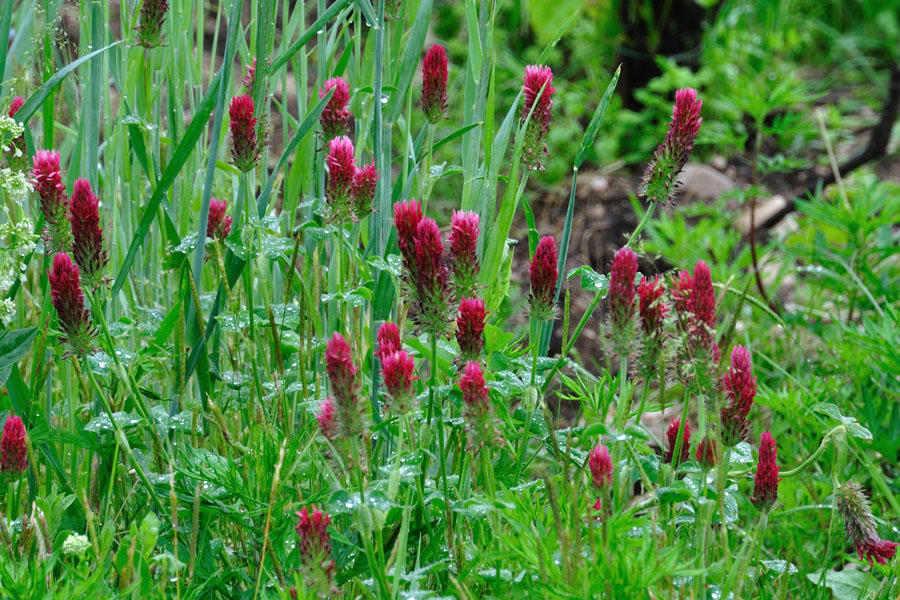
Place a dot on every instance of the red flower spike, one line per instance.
(672, 438)
(363, 190)
(765, 484)
(152, 19)
(623, 271)
(388, 340)
(335, 118)
(478, 413)
(470, 328)
(326, 419)
(740, 390)
(13, 451)
(315, 550)
(653, 311)
(342, 374)
(397, 369)
(218, 225)
(860, 528)
(706, 453)
(15, 105)
(407, 215)
(464, 231)
(47, 183)
(341, 171)
(430, 279)
(544, 275)
(244, 145)
(601, 466)
(68, 300)
(87, 245)
(704, 301)
(434, 84)
(534, 149)
(660, 182)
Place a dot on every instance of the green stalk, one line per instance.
(535, 328)
(598, 296)
(648, 214)
(439, 417)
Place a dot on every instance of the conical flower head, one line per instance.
(341, 171)
(695, 302)
(661, 178)
(87, 247)
(859, 525)
(470, 328)
(537, 91)
(218, 224)
(740, 390)
(344, 385)
(672, 441)
(407, 215)
(544, 275)
(398, 371)
(706, 453)
(47, 183)
(430, 280)
(13, 450)
(244, 145)
(335, 118)
(388, 340)
(315, 550)
(653, 311)
(152, 20)
(765, 484)
(477, 411)
(623, 271)
(68, 300)
(15, 105)
(601, 466)
(464, 231)
(434, 84)
(364, 184)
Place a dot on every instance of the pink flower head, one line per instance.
(407, 215)
(740, 390)
(859, 525)
(87, 247)
(477, 410)
(601, 466)
(661, 178)
(218, 225)
(152, 19)
(464, 233)
(13, 451)
(704, 301)
(398, 369)
(335, 118)
(388, 340)
(434, 84)
(250, 78)
(470, 328)
(430, 280)
(244, 145)
(326, 419)
(341, 171)
(706, 453)
(47, 183)
(68, 300)
(544, 276)
(695, 302)
(672, 439)
(16, 104)
(621, 299)
(537, 92)
(765, 488)
(342, 374)
(315, 549)
(364, 182)
(653, 311)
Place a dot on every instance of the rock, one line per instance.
(702, 183)
(764, 210)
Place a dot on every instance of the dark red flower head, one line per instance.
(150, 26)
(544, 275)
(859, 525)
(477, 409)
(388, 340)
(434, 84)
(470, 328)
(16, 104)
(740, 390)
(341, 171)
(13, 451)
(672, 440)
(47, 183)
(765, 488)
(623, 271)
(601, 466)
(398, 370)
(315, 548)
(87, 247)
(326, 419)
(335, 118)
(342, 374)
(244, 145)
(695, 301)
(653, 310)
(706, 453)
(430, 279)
(661, 178)
(464, 231)
(537, 92)
(364, 183)
(407, 215)
(218, 225)
(68, 300)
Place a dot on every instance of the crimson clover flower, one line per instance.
(335, 118)
(244, 144)
(341, 172)
(407, 215)
(398, 370)
(47, 183)
(344, 385)
(388, 340)
(363, 190)
(653, 311)
(315, 550)
(601, 466)
(477, 411)
(623, 271)
(470, 328)
(859, 525)
(740, 390)
(706, 453)
(68, 300)
(672, 441)
(13, 450)
(537, 92)
(326, 419)
(765, 484)
(660, 182)
(430, 280)
(87, 245)
(464, 233)
(544, 275)
(16, 158)
(218, 225)
(434, 84)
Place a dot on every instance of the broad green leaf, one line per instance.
(14, 343)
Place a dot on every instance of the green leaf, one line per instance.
(14, 343)
(590, 279)
(590, 134)
(848, 584)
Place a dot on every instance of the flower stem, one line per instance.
(439, 417)
(646, 219)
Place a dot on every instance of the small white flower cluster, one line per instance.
(76, 545)
(17, 238)
(10, 130)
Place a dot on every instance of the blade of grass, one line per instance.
(409, 60)
(307, 35)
